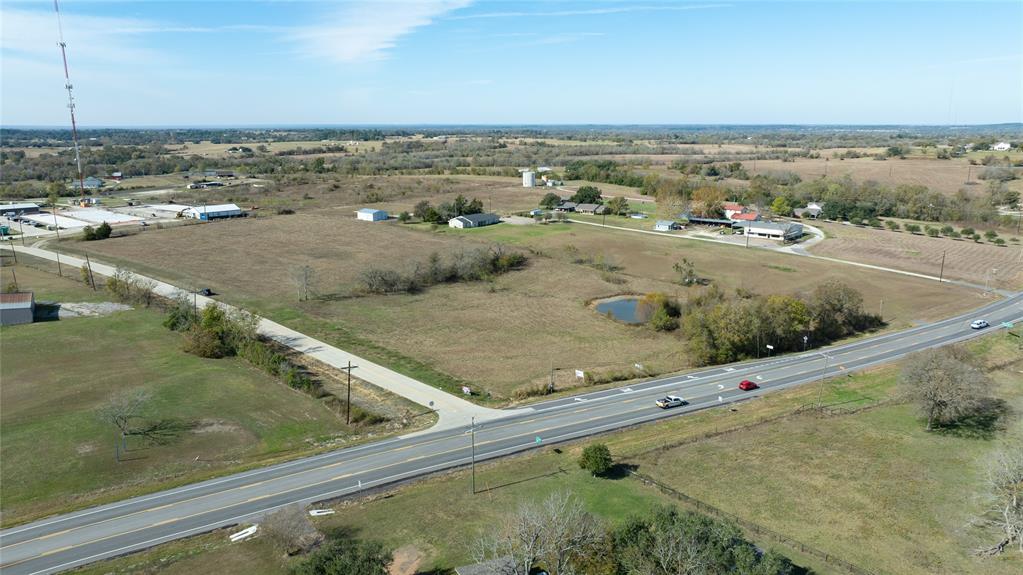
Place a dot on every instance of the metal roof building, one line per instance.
(16, 308)
(213, 212)
(371, 215)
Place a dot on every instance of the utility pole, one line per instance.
(941, 274)
(21, 227)
(92, 278)
(348, 404)
(472, 460)
(880, 309)
(820, 392)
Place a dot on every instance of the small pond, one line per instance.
(623, 309)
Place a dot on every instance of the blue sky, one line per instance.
(487, 62)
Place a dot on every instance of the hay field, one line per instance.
(499, 335)
(964, 259)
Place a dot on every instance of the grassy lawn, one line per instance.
(57, 453)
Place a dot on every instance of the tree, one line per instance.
(557, 533)
(947, 230)
(990, 235)
(550, 201)
(967, 232)
(780, 206)
(404, 217)
(708, 201)
(617, 206)
(587, 195)
(932, 231)
(892, 225)
(1004, 478)
(346, 557)
(596, 458)
(686, 271)
(944, 387)
(912, 228)
(290, 531)
(420, 210)
(122, 410)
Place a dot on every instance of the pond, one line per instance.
(624, 309)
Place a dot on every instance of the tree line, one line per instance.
(461, 266)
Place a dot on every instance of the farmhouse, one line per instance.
(812, 210)
(473, 221)
(92, 183)
(371, 215)
(217, 211)
(732, 208)
(566, 206)
(666, 225)
(1001, 147)
(117, 176)
(745, 217)
(16, 308)
(772, 230)
(19, 209)
(590, 209)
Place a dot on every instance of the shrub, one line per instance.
(967, 232)
(912, 228)
(998, 242)
(932, 231)
(100, 232)
(892, 225)
(346, 557)
(596, 459)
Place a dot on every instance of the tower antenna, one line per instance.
(70, 100)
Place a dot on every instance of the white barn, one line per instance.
(213, 212)
(473, 221)
(772, 230)
(371, 215)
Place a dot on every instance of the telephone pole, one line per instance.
(472, 459)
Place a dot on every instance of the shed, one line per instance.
(473, 221)
(812, 210)
(17, 308)
(371, 215)
(213, 212)
(665, 225)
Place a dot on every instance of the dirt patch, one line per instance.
(85, 309)
(215, 426)
(405, 561)
(85, 448)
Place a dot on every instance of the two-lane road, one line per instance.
(74, 539)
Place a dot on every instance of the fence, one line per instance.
(753, 527)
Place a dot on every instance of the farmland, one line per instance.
(540, 311)
(964, 259)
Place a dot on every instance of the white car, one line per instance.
(670, 401)
(979, 324)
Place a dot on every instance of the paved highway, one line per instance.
(67, 541)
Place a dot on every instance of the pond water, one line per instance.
(626, 309)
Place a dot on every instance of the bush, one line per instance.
(476, 265)
(912, 228)
(932, 231)
(101, 232)
(129, 288)
(346, 557)
(596, 459)
(892, 225)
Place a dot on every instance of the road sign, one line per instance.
(580, 373)
(538, 440)
(769, 346)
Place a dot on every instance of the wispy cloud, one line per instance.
(365, 31)
(592, 11)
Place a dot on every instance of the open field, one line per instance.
(874, 488)
(57, 452)
(540, 312)
(786, 468)
(210, 150)
(964, 259)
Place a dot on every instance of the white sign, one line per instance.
(720, 398)
(244, 534)
(319, 512)
(639, 366)
(579, 373)
(769, 346)
(466, 390)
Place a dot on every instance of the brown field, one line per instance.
(468, 330)
(211, 150)
(964, 259)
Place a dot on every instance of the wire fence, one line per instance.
(752, 527)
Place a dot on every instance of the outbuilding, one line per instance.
(92, 183)
(665, 225)
(371, 215)
(474, 221)
(17, 308)
(812, 210)
(213, 212)
(784, 231)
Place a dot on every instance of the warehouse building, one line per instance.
(17, 308)
(784, 231)
(18, 209)
(213, 212)
(474, 221)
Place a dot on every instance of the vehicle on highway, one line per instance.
(670, 401)
(747, 385)
(979, 324)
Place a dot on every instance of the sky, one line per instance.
(244, 63)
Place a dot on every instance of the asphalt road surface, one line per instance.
(63, 542)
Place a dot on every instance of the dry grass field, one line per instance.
(499, 335)
(964, 259)
(210, 150)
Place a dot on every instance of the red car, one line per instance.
(747, 385)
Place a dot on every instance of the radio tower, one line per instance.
(70, 100)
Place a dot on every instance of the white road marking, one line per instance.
(626, 390)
